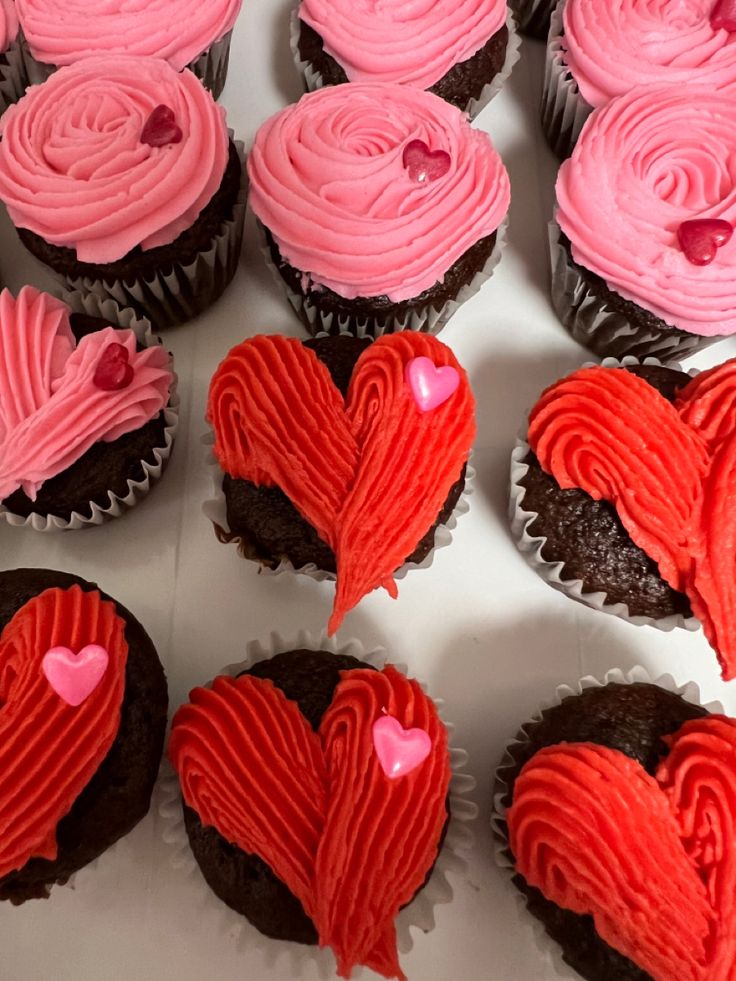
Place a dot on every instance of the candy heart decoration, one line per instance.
(723, 15)
(430, 385)
(280, 421)
(75, 676)
(399, 750)
(161, 128)
(651, 860)
(669, 470)
(114, 370)
(67, 745)
(352, 846)
(424, 165)
(701, 238)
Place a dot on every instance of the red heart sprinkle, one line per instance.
(723, 16)
(425, 165)
(113, 370)
(701, 238)
(161, 128)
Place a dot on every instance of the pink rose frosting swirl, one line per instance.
(51, 412)
(328, 181)
(73, 168)
(643, 165)
(615, 45)
(61, 32)
(8, 24)
(415, 42)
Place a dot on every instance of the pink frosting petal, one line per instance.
(8, 24)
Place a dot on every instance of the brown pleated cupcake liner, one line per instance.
(428, 320)
(549, 950)
(313, 79)
(107, 309)
(531, 546)
(419, 914)
(177, 293)
(564, 110)
(605, 332)
(533, 16)
(13, 75)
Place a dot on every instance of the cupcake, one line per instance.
(186, 33)
(339, 456)
(120, 177)
(83, 692)
(615, 810)
(621, 495)
(533, 16)
(88, 411)
(642, 257)
(353, 817)
(381, 207)
(13, 77)
(598, 51)
(461, 52)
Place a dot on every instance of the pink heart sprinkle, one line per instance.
(161, 128)
(723, 16)
(113, 371)
(425, 165)
(701, 238)
(399, 750)
(75, 676)
(430, 385)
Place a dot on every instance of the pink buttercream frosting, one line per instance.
(643, 165)
(51, 412)
(8, 24)
(73, 168)
(615, 45)
(415, 42)
(328, 180)
(61, 32)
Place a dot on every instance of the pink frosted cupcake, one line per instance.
(598, 51)
(13, 77)
(460, 51)
(186, 33)
(383, 209)
(119, 175)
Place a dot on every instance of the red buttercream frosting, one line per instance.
(370, 474)
(651, 860)
(353, 845)
(669, 470)
(49, 750)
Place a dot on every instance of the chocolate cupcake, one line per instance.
(643, 259)
(604, 806)
(185, 33)
(92, 425)
(143, 201)
(619, 495)
(13, 75)
(533, 16)
(465, 52)
(341, 710)
(382, 209)
(311, 443)
(77, 672)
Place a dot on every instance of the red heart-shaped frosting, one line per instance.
(161, 127)
(701, 238)
(114, 370)
(49, 749)
(651, 860)
(669, 470)
(351, 844)
(370, 474)
(424, 165)
(723, 15)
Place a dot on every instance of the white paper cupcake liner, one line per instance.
(533, 16)
(107, 309)
(531, 546)
(547, 947)
(177, 292)
(428, 320)
(313, 79)
(419, 913)
(13, 76)
(564, 110)
(606, 332)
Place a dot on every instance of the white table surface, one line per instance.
(480, 627)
